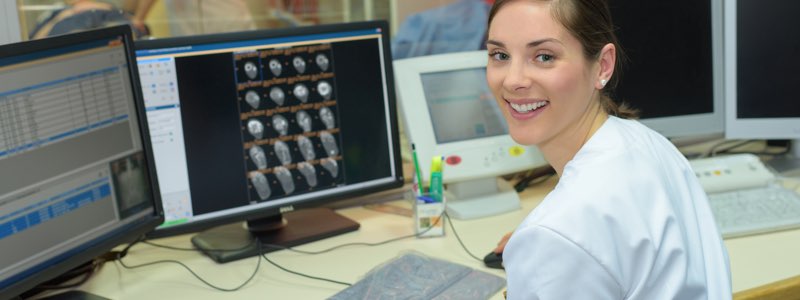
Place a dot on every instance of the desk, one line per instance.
(755, 260)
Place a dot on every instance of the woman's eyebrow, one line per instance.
(529, 45)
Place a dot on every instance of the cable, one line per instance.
(169, 247)
(357, 244)
(344, 245)
(444, 214)
(459, 238)
(87, 270)
(195, 249)
(713, 151)
(303, 275)
(534, 176)
(258, 265)
(765, 152)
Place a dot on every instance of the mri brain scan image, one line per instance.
(330, 165)
(253, 99)
(324, 89)
(304, 120)
(260, 183)
(255, 128)
(280, 124)
(277, 95)
(329, 143)
(301, 92)
(275, 67)
(282, 152)
(306, 148)
(285, 178)
(259, 157)
(251, 70)
(308, 172)
(299, 64)
(327, 117)
(322, 62)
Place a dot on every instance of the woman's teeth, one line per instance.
(523, 108)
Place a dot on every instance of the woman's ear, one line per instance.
(607, 61)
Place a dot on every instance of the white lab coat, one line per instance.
(627, 220)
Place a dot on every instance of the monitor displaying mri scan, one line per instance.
(252, 124)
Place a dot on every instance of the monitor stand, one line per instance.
(480, 198)
(287, 230)
(789, 164)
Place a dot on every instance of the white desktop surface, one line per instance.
(755, 260)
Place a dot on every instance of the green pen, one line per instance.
(416, 168)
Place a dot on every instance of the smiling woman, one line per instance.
(628, 218)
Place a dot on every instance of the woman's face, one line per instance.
(538, 73)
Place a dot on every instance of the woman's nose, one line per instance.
(517, 77)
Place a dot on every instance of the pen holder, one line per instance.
(428, 215)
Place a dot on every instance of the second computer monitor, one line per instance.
(251, 124)
(673, 68)
(449, 111)
(761, 48)
(76, 176)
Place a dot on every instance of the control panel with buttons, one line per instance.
(731, 172)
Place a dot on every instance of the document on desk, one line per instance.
(415, 276)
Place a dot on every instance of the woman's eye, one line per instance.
(544, 58)
(499, 56)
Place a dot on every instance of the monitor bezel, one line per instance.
(421, 130)
(121, 235)
(705, 124)
(747, 128)
(272, 210)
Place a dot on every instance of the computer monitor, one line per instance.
(74, 161)
(450, 111)
(761, 70)
(250, 125)
(674, 68)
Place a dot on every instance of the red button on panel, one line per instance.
(453, 160)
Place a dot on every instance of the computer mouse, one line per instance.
(494, 260)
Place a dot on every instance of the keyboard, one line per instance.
(752, 211)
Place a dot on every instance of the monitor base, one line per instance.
(789, 164)
(74, 295)
(234, 241)
(480, 198)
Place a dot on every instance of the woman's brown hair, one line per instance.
(590, 22)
